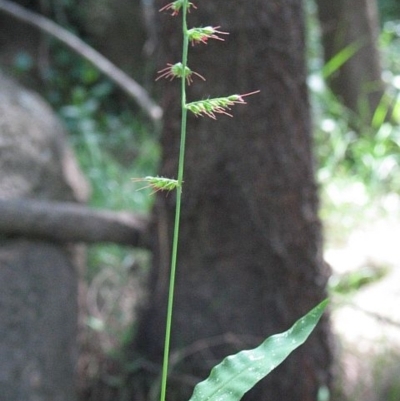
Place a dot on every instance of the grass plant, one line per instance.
(236, 374)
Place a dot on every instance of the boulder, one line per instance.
(38, 280)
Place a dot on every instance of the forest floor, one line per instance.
(366, 319)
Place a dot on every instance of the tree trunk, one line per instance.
(358, 82)
(250, 260)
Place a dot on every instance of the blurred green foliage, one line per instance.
(352, 281)
(372, 154)
(358, 172)
(112, 142)
(389, 10)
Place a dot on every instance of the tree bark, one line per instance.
(358, 82)
(70, 222)
(250, 255)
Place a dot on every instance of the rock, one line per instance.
(38, 280)
(35, 160)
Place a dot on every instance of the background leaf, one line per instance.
(238, 373)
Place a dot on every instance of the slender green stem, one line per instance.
(178, 207)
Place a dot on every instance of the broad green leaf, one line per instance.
(238, 373)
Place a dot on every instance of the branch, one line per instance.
(126, 83)
(71, 222)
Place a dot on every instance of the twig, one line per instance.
(342, 300)
(126, 83)
(376, 316)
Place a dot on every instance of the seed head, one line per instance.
(175, 7)
(202, 35)
(158, 183)
(220, 105)
(177, 71)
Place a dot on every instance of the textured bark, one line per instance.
(250, 260)
(358, 83)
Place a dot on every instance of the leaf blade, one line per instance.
(237, 374)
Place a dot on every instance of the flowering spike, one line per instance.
(177, 71)
(201, 35)
(239, 98)
(175, 6)
(158, 183)
(220, 105)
